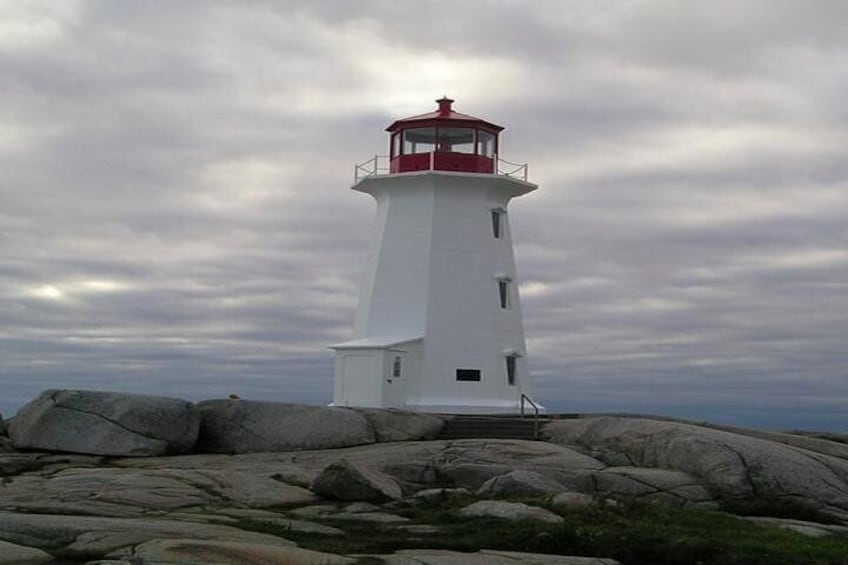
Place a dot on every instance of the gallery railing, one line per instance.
(379, 165)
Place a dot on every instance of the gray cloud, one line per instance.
(174, 216)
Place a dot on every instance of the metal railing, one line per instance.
(513, 170)
(526, 398)
(379, 165)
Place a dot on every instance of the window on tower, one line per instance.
(468, 374)
(498, 222)
(485, 144)
(456, 140)
(419, 140)
(510, 369)
(395, 148)
(504, 293)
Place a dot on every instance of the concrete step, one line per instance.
(491, 427)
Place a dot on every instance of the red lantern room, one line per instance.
(443, 140)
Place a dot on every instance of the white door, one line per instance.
(361, 374)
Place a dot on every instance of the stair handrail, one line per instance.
(535, 416)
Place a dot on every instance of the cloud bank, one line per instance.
(175, 219)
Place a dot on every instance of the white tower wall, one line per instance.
(431, 293)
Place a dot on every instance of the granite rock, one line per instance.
(399, 425)
(346, 480)
(14, 554)
(485, 557)
(673, 488)
(82, 536)
(247, 426)
(520, 483)
(204, 552)
(514, 511)
(729, 465)
(106, 423)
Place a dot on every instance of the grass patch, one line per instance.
(641, 534)
(635, 534)
(779, 508)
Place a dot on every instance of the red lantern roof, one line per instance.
(444, 115)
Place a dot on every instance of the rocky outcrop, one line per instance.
(673, 488)
(5, 442)
(485, 557)
(204, 552)
(728, 465)
(118, 424)
(351, 512)
(173, 510)
(513, 511)
(520, 483)
(397, 425)
(809, 529)
(249, 426)
(344, 480)
(298, 472)
(14, 554)
(470, 463)
(128, 492)
(811, 442)
(275, 519)
(106, 423)
(134, 487)
(83, 536)
(572, 500)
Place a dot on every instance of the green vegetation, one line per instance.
(779, 508)
(635, 534)
(639, 534)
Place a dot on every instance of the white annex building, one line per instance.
(438, 327)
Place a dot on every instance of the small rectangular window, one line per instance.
(468, 374)
(396, 367)
(504, 292)
(496, 223)
(510, 370)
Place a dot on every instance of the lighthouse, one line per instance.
(438, 327)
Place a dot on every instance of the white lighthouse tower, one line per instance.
(438, 327)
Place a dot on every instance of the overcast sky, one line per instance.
(176, 219)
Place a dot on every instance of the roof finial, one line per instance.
(444, 105)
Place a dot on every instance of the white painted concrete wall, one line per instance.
(364, 373)
(433, 271)
(358, 379)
